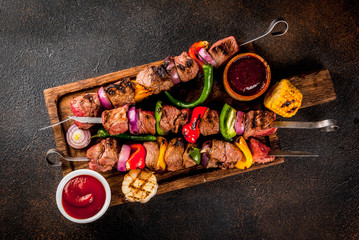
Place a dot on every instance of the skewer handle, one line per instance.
(269, 30)
(328, 125)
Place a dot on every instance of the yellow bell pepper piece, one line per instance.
(141, 92)
(247, 158)
(162, 142)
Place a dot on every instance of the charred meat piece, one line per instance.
(146, 122)
(260, 151)
(187, 159)
(233, 155)
(209, 124)
(223, 50)
(182, 119)
(221, 154)
(173, 119)
(259, 123)
(174, 154)
(155, 78)
(115, 120)
(121, 93)
(152, 153)
(87, 105)
(187, 68)
(103, 155)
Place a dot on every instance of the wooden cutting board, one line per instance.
(317, 88)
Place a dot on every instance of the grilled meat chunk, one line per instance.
(259, 123)
(152, 153)
(121, 93)
(155, 78)
(182, 119)
(146, 122)
(209, 124)
(115, 120)
(221, 154)
(233, 155)
(173, 119)
(187, 68)
(87, 105)
(187, 159)
(222, 50)
(103, 155)
(174, 154)
(260, 151)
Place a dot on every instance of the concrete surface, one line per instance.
(50, 43)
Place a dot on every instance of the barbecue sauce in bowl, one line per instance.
(246, 77)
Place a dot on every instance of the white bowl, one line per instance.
(76, 173)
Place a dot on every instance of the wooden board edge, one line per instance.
(51, 103)
(97, 81)
(209, 177)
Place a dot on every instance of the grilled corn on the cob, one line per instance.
(283, 99)
(139, 185)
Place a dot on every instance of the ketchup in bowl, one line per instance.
(83, 196)
(246, 76)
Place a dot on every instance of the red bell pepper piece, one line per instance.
(193, 51)
(137, 158)
(190, 131)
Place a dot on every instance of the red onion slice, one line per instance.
(133, 120)
(174, 76)
(171, 69)
(204, 153)
(239, 124)
(123, 157)
(78, 138)
(205, 55)
(103, 98)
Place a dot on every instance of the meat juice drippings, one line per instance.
(247, 76)
(83, 196)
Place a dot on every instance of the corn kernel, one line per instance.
(283, 99)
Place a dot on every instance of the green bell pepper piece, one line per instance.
(226, 122)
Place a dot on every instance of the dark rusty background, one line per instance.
(50, 43)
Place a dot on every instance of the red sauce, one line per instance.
(83, 196)
(247, 76)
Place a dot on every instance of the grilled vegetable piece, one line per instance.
(207, 87)
(247, 158)
(139, 186)
(226, 122)
(283, 99)
(101, 133)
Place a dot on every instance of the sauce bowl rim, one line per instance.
(76, 173)
(236, 95)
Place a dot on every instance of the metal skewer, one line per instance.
(57, 162)
(269, 30)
